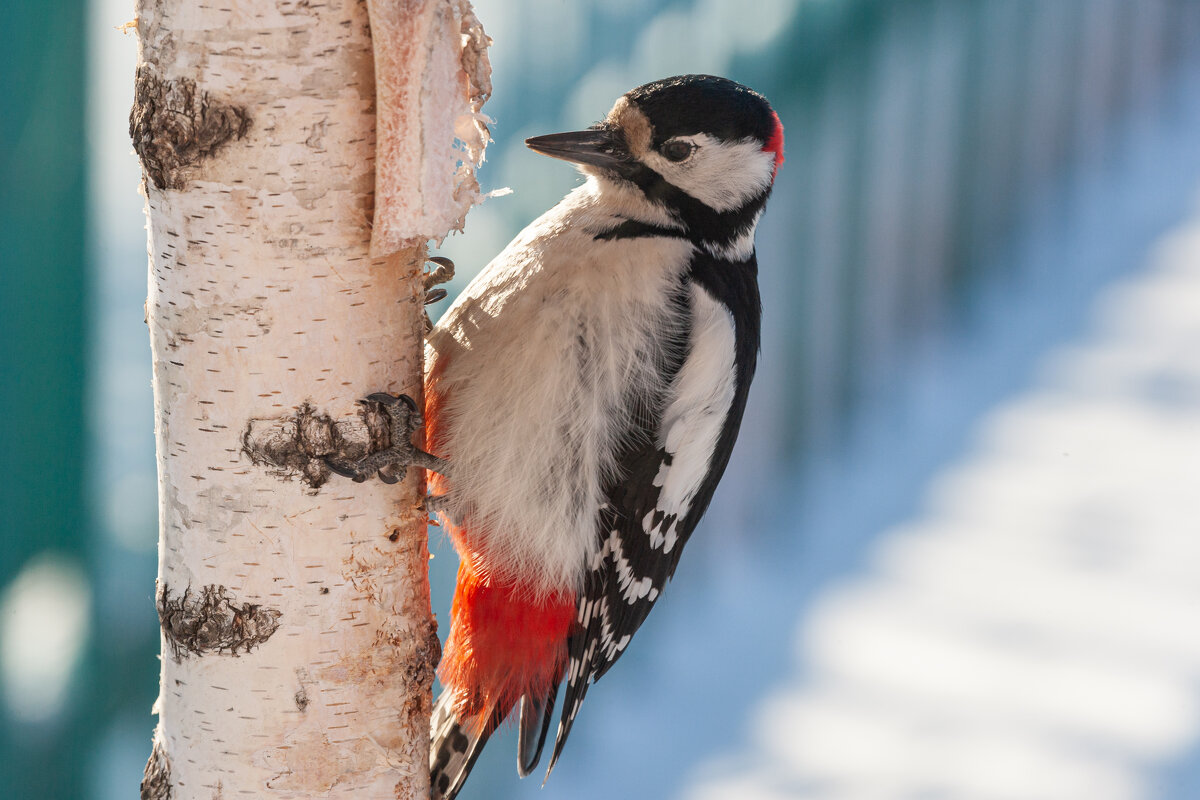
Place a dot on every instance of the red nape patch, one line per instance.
(775, 144)
(503, 643)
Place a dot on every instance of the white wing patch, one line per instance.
(692, 422)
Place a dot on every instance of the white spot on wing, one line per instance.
(661, 477)
(632, 588)
(656, 537)
(670, 538)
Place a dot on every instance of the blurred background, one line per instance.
(957, 552)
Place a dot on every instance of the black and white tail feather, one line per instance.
(453, 749)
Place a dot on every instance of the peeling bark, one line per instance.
(430, 112)
(298, 646)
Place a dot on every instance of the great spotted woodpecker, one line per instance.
(583, 395)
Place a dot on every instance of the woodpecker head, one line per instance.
(704, 147)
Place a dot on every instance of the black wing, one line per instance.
(640, 543)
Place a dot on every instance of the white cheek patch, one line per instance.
(722, 175)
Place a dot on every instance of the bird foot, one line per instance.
(440, 504)
(442, 273)
(392, 463)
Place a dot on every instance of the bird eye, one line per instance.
(678, 150)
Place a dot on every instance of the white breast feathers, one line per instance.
(539, 363)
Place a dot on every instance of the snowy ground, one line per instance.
(1032, 631)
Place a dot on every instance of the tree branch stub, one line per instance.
(211, 620)
(174, 126)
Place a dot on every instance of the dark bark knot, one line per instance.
(297, 445)
(174, 126)
(212, 621)
(156, 780)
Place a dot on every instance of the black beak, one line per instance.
(598, 147)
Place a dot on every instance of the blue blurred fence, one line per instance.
(919, 134)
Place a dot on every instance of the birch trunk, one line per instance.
(298, 646)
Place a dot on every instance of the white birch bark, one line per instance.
(298, 646)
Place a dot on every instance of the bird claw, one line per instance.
(442, 273)
(383, 463)
(350, 471)
(392, 400)
(391, 464)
